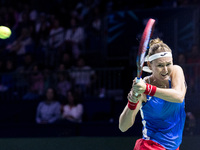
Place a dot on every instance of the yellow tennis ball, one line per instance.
(5, 32)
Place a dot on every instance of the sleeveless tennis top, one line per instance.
(163, 121)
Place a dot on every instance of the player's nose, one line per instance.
(165, 69)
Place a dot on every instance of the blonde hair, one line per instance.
(157, 46)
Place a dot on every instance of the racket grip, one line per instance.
(137, 81)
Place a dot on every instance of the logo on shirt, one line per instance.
(149, 98)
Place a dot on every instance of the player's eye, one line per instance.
(160, 65)
(168, 64)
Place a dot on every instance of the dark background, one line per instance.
(177, 24)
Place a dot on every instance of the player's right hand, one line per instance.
(139, 87)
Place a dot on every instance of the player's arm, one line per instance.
(176, 93)
(178, 90)
(127, 117)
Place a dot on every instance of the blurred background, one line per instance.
(68, 66)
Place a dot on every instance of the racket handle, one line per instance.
(137, 81)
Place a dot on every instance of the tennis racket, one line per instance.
(147, 34)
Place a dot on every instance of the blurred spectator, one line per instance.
(82, 75)
(33, 15)
(37, 80)
(56, 39)
(24, 19)
(64, 83)
(42, 29)
(74, 38)
(96, 20)
(36, 86)
(181, 59)
(73, 110)
(7, 79)
(61, 68)
(22, 45)
(193, 59)
(190, 124)
(194, 54)
(27, 63)
(82, 10)
(8, 15)
(94, 30)
(48, 110)
(22, 74)
(67, 60)
(49, 77)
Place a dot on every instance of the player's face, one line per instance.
(162, 68)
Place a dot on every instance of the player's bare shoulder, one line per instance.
(177, 71)
(177, 68)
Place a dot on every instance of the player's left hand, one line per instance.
(139, 87)
(131, 97)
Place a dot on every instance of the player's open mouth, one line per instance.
(164, 74)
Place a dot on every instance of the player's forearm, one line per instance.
(126, 119)
(170, 95)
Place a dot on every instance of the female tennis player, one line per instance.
(160, 100)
